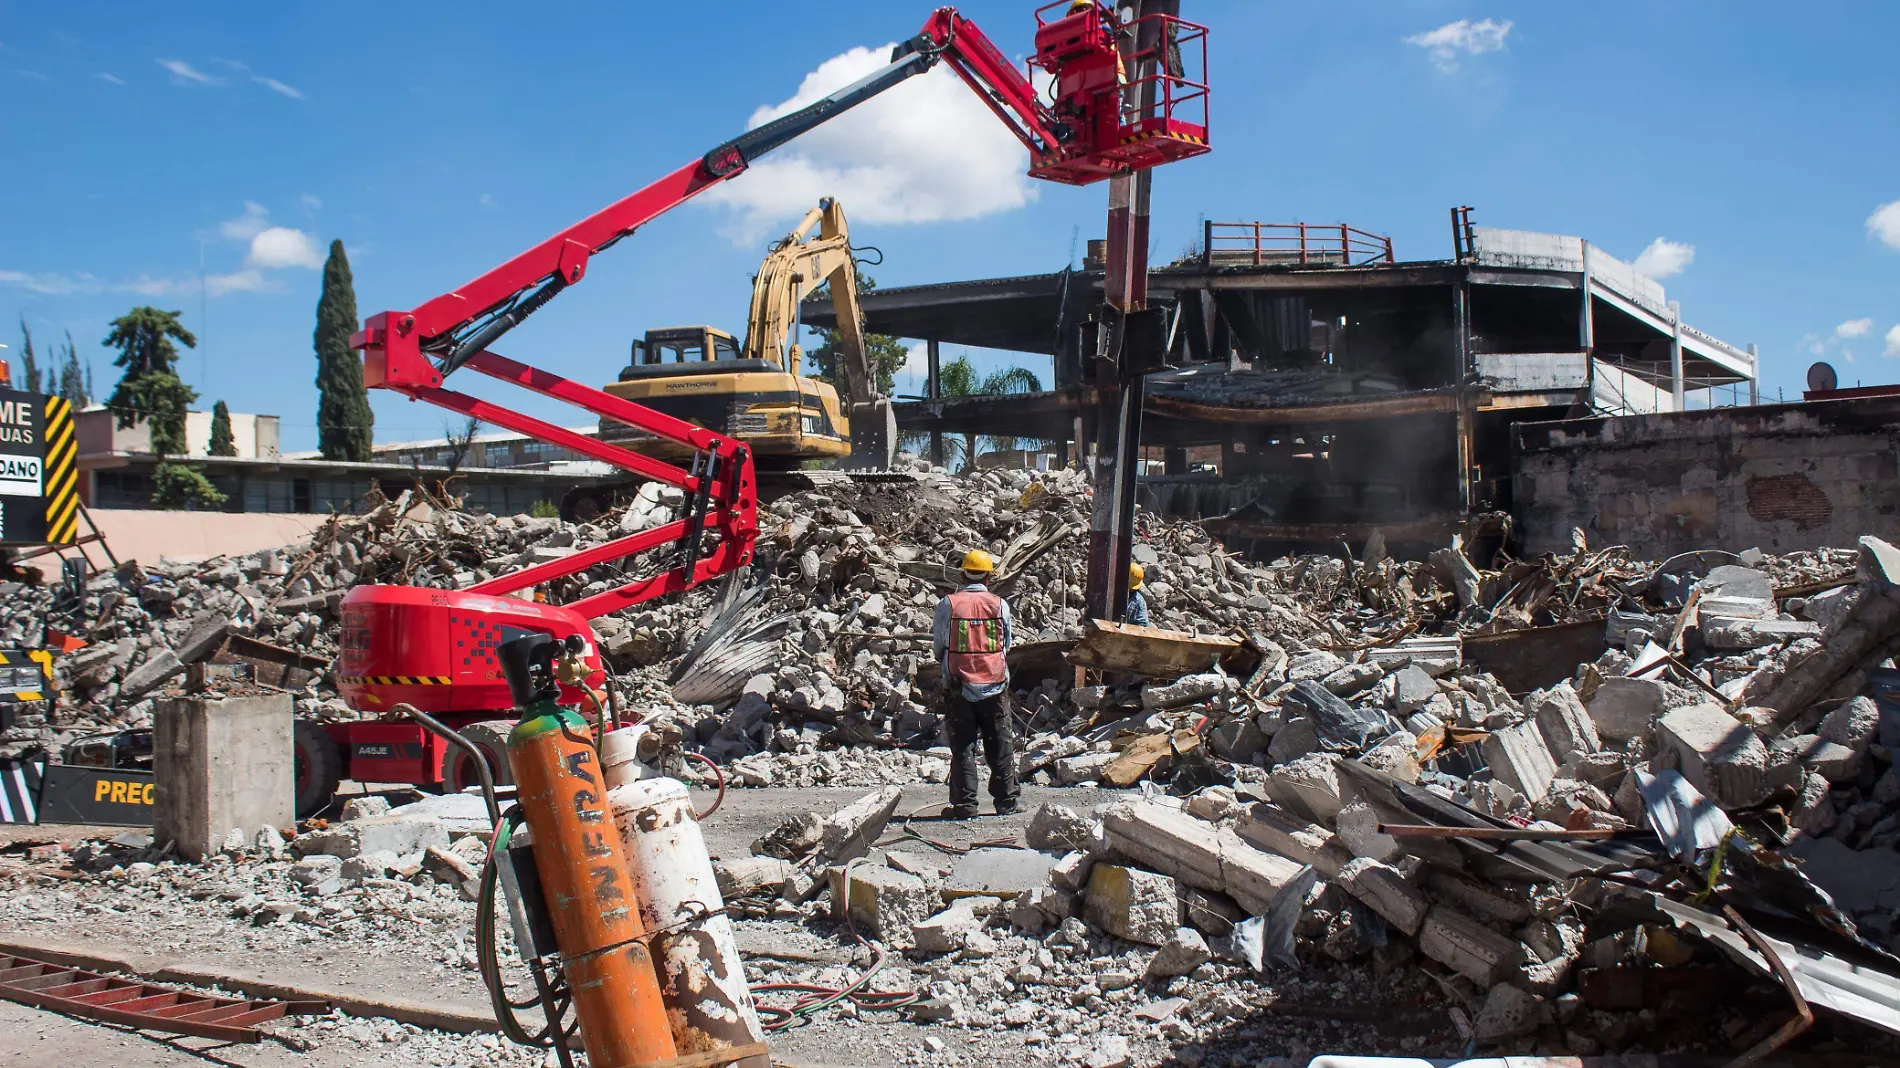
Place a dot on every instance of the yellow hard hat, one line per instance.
(1078, 5)
(1135, 574)
(979, 562)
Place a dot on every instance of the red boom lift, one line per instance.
(436, 649)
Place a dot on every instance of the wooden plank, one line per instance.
(1149, 651)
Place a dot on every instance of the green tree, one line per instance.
(29, 363)
(958, 378)
(345, 423)
(884, 353)
(221, 441)
(161, 401)
(177, 486)
(144, 339)
(75, 382)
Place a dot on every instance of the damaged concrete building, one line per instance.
(1321, 389)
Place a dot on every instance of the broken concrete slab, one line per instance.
(1830, 760)
(794, 837)
(1266, 827)
(1467, 946)
(398, 835)
(848, 833)
(1140, 906)
(1198, 853)
(1436, 657)
(1508, 1013)
(1853, 724)
(1735, 633)
(1411, 689)
(159, 668)
(1387, 892)
(1519, 759)
(1717, 754)
(1238, 740)
(1071, 873)
(1088, 767)
(1002, 873)
(1624, 708)
(1150, 652)
(1185, 690)
(1358, 830)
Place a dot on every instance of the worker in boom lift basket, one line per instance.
(972, 636)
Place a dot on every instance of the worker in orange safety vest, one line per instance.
(971, 635)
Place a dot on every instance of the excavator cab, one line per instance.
(684, 350)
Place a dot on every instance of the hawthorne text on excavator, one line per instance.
(424, 651)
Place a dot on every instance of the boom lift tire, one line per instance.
(318, 767)
(491, 737)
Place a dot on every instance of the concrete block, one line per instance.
(1210, 912)
(1140, 906)
(1853, 724)
(1719, 756)
(1071, 873)
(159, 668)
(1213, 803)
(743, 876)
(945, 932)
(1466, 946)
(848, 833)
(1730, 585)
(222, 765)
(1040, 908)
(1358, 827)
(1509, 1013)
(1309, 785)
(1519, 759)
(1353, 678)
(1238, 740)
(1266, 827)
(1624, 708)
(1386, 892)
(1411, 689)
(320, 876)
(1879, 564)
(883, 902)
(1568, 731)
(1733, 632)
(1316, 664)
(1830, 760)
(1184, 690)
(1296, 738)
(1047, 750)
(1395, 755)
(1198, 853)
(1179, 955)
(362, 808)
(1088, 767)
(1002, 873)
(1554, 949)
(1060, 827)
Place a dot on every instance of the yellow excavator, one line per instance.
(753, 389)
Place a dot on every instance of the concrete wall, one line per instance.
(145, 535)
(1781, 477)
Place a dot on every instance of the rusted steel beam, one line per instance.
(144, 1006)
(1337, 411)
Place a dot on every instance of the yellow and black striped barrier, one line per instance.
(394, 680)
(60, 474)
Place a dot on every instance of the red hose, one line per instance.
(717, 801)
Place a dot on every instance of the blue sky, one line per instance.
(437, 140)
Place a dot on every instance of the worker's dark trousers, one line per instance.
(986, 721)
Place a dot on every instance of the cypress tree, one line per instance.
(344, 419)
(221, 443)
(29, 362)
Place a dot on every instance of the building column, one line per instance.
(1754, 376)
(1677, 387)
(933, 389)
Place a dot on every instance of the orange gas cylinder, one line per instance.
(590, 898)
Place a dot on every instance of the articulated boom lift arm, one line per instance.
(412, 352)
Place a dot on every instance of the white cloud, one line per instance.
(54, 284)
(1893, 341)
(281, 246)
(1884, 224)
(248, 280)
(184, 73)
(276, 86)
(1664, 257)
(926, 151)
(31, 75)
(1449, 42)
(1854, 328)
(248, 225)
(485, 200)
(311, 202)
(109, 79)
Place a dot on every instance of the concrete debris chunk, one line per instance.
(1508, 1013)
(1566, 727)
(1184, 690)
(1002, 873)
(1179, 955)
(1358, 827)
(1196, 852)
(1059, 827)
(1625, 708)
(1387, 892)
(946, 931)
(1519, 759)
(742, 876)
(1140, 906)
(1719, 756)
(1466, 946)
(1309, 785)
(1266, 827)
(848, 833)
(883, 902)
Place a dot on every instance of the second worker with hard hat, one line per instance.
(971, 635)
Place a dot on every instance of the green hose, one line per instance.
(485, 955)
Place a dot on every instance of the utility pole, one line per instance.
(1129, 341)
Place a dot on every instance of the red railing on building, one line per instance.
(1256, 244)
